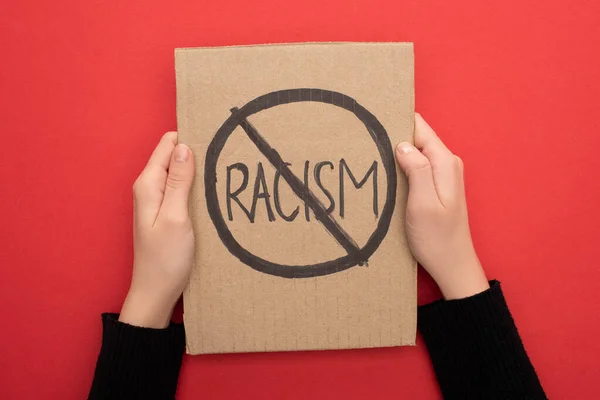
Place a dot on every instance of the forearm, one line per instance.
(476, 350)
(137, 363)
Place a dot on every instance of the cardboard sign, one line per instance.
(298, 205)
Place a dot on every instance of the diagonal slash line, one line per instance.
(304, 193)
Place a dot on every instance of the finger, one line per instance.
(148, 189)
(425, 136)
(161, 156)
(446, 169)
(174, 207)
(418, 170)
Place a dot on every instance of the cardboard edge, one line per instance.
(315, 349)
(293, 44)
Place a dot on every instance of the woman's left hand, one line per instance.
(163, 238)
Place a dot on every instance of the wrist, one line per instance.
(464, 289)
(148, 311)
(463, 281)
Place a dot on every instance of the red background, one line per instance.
(87, 88)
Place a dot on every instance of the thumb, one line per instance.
(418, 171)
(179, 182)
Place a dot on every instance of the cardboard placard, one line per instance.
(297, 204)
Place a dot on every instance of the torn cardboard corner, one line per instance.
(297, 204)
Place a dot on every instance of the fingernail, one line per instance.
(181, 153)
(405, 148)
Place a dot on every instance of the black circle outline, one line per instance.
(377, 133)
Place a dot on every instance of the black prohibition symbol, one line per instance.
(355, 254)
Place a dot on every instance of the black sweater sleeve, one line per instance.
(473, 343)
(476, 350)
(137, 363)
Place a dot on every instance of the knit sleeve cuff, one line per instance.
(441, 314)
(136, 362)
(474, 345)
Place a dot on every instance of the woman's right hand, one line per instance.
(163, 237)
(437, 224)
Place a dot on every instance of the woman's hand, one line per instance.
(437, 224)
(163, 237)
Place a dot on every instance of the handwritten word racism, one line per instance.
(269, 194)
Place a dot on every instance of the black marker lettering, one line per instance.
(306, 207)
(327, 193)
(293, 215)
(261, 181)
(234, 195)
(357, 184)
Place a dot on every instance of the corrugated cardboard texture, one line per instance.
(307, 273)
